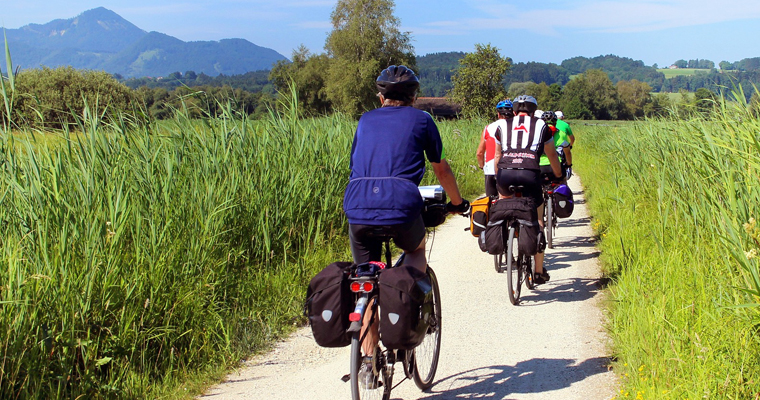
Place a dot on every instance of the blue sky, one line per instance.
(654, 31)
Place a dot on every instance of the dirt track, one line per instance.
(552, 346)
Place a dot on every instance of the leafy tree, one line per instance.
(478, 82)
(635, 95)
(726, 66)
(308, 73)
(681, 64)
(365, 40)
(701, 64)
(592, 91)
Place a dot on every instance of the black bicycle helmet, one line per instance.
(398, 83)
(525, 103)
(549, 117)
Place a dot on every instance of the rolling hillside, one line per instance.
(100, 39)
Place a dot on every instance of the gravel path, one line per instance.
(551, 346)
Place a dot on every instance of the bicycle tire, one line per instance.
(426, 355)
(514, 269)
(359, 391)
(530, 271)
(549, 221)
(498, 262)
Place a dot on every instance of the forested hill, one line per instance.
(436, 70)
(100, 39)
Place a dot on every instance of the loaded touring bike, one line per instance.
(520, 266)
(419, 362)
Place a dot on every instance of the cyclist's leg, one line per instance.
(363, 249)
(491, 190)
(410, 237)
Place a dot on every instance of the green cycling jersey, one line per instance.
(560, 140)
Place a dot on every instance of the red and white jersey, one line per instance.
(489, 135)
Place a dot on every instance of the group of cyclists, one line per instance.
(387, 164)
(525, 147)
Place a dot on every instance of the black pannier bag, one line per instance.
(522, 209)
(328, 304)
(563, 201)
(406, 303)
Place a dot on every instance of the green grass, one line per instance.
(670, 201)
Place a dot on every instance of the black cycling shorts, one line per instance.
(528, 178)
(364, 248)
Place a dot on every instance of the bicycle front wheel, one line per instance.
(530, 270)
(514, 269)
(377, 385)
(425, 356)
(499, 261)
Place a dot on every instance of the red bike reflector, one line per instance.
(356, 287)
(354, 317)
(367, 287)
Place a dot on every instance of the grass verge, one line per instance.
(672, 202)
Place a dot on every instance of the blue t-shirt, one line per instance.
(388, 163)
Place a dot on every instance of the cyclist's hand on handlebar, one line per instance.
(461, 208)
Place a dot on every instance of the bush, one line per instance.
(54, 98)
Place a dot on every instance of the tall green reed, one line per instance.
(670, 198)
(140, 254)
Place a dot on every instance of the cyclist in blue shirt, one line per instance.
(387, 164)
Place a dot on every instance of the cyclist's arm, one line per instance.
(551, 152)
(481, 152)
(568, 155)
(447, 179)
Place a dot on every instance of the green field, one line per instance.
(669, 73)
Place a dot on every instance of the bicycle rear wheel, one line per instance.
(425, 356)
(514, 269)
(549, 221)
(364, 390)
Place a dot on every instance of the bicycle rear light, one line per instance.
(362, 287)
(354, 317)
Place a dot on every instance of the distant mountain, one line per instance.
(100, 39)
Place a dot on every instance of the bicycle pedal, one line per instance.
(346, 378)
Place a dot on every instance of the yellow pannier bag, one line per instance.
(479, 215)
